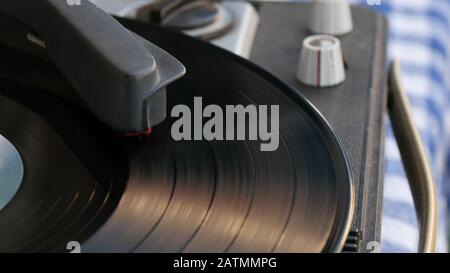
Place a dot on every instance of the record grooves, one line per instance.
(62, 190)
(162, 195)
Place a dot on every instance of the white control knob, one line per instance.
(321, 62)
(332, 17)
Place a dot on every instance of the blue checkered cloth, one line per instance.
(420, 38)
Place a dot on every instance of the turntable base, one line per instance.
(356, 109)
(162, 195)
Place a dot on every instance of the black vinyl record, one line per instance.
(175, 196)
(68, 188)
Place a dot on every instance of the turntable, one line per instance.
(88, 106)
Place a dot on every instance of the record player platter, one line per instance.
(82, 182)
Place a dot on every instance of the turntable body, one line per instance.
(356, 109)
(178, 194)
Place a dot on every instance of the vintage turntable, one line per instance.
(86, 132)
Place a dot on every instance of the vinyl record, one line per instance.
(66, 191)
(179, 196)
(228, 196)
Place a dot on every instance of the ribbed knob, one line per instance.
(321, 62)
(332, 17)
